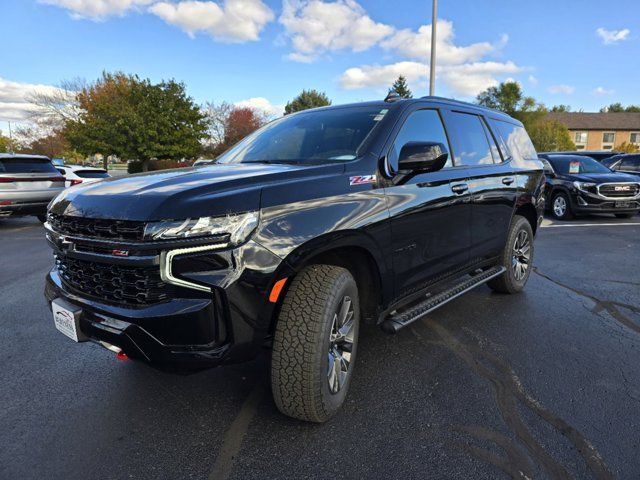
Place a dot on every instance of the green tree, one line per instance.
(132, 118)
(626, 147)
(560, 108)
(5, 144)
(401, 88)
(508, 98)
(618, 107)
(307, 99)
(550, 136)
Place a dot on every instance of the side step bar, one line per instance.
(401, 320)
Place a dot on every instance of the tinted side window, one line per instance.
(421, 126)
(630, 164)
(469, 139)
(518, 143)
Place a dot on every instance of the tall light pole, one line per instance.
(432, 66)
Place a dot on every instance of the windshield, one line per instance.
(576, 165)
(320, 136)
(26, 165)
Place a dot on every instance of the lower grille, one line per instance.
(624, 190)
(113, 283)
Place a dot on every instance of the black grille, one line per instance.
(113, 283)
(97, 228)
(619, 191)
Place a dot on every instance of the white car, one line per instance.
(77, 174)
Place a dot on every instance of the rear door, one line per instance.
(430, 221)
(492, 184)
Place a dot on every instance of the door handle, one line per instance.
(459, 188)
(508, 180)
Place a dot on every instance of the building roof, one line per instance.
(598, 121)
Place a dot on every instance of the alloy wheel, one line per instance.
(521, 255)
(559, 206)
(341, 341)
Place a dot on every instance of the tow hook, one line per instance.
(120, 355)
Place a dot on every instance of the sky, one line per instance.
(263, 52)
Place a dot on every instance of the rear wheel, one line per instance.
(315, 343)
(561, 207)
(626, 215)
(517, 258)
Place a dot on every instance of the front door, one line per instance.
(430, 212)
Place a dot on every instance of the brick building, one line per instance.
(600, 131)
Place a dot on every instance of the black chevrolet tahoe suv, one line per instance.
(323, 220)
(580, 185)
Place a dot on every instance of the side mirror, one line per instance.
(422, 156)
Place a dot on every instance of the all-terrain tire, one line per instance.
(302, 342)
(514, 279)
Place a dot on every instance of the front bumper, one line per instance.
(586, 203)
(191, 329)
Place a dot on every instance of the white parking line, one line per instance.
(553, 225)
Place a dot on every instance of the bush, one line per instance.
(155, 165)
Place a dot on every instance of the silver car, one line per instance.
(27, 184)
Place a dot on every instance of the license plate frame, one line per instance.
(66, 318)
(622, 204)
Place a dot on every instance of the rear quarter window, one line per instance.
(26, 165)
(516, 140)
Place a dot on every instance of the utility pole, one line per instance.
(10, 139)
(432, 66)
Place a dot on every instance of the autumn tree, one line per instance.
(241, 122)
(132, 118)
(401, 88)
(305, 100)
(550, 136)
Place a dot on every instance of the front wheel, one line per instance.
(517, 258)
(315, 342)
(561, 207)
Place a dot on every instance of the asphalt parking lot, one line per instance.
(544, 384)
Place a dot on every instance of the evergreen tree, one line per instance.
(307, 99)
(401, 88)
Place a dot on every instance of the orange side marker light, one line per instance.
(277, 288)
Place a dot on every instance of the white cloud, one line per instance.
(561, 89)
(533, 80)
(234, 22)
(417, 45)
(15, 103)
(316, 27)
(465, 79)
(97, 9)
(263, 105)
(610, 37)
(601, 91)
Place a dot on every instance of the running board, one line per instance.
(400, 320)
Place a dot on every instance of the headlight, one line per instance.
(583, 185)
(234, 228)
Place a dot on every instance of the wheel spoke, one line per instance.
(344, 311)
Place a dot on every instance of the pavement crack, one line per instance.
(235, 434)
(611, 307)
(509, 393)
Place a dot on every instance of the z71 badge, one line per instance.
(362, 180)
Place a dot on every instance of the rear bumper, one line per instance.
(35, 208)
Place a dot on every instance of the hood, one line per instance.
(612, 177)
(183, 193)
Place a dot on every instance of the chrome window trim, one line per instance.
(166, 264)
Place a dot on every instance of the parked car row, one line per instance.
(29, 182)
(579, 184)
